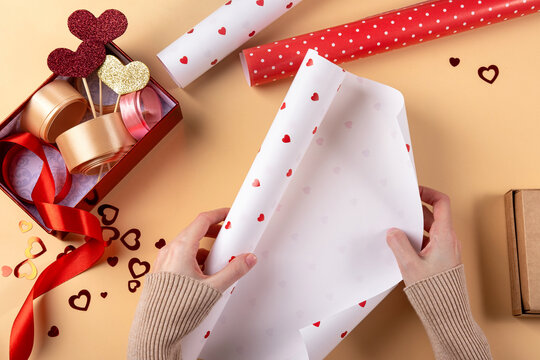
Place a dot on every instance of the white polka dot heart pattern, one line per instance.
(380, 33)
(223, 31)
(334, 172)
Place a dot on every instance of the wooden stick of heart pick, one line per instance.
(89, 97)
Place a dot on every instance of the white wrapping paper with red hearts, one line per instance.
(333, 174)
(223, 31)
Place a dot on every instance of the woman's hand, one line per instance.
(183, 256)
(440, 251)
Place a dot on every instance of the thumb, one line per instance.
(400, 245)
(237, 267)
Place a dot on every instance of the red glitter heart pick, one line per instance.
(88, 57)
(107, 27)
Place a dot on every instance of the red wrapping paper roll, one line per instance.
(380, 33)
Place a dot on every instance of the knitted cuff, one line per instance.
(442, 304)
(170, 306)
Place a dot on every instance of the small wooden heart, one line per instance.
(123, 79)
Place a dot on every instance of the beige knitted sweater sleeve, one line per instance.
(442, 303)
(172, 305)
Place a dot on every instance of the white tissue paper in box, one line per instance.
(334, 173)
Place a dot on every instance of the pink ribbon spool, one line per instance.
(141, 110)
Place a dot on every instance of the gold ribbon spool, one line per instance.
(53, 109)
(94, 143)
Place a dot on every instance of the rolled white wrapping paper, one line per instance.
(218, 35)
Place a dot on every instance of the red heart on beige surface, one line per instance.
(81, 301)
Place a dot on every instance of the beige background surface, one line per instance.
(472, 140)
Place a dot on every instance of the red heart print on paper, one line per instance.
(108, 213)
(232, 258)
(408, 147)
(53, 331)
(309, 62)
(317, 324)
(135, 266)
(343, 334)
(260, 2)
(133, 285)
(107, 27)
(251, 33)
(485, 73)
(283, 106)
(81, 301)
(314, 130)
(315, 97)
(289, 173)
(214, 62)
(134, 236)
(222, 31)
(184, 60)
(207, 335)
(286, 139)
(362, 304)
(81, 63)
(289, 5)
(228, 225)
(256, 183)
(260, 218)
(228, 2)
(190, 31)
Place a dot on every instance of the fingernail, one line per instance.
(392, 232)
(251, 260)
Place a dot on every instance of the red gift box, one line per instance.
(171, 116)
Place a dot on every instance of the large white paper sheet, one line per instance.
(335, 171)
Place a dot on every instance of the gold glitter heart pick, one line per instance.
(123, 79)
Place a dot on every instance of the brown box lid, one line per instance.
(527, 220)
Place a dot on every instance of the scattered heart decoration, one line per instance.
(25, 226)
(6, 271)
(66, 251)
(92, 198)
(104, 294)
(135, 270)
(108, 26)
(81, 63)
(454, 61)
(109, 233)
(53, 331)
(160, 243)
(29, 275)
(29, 252)
(133, 285)
(81, 301)
(108, 213)
(133, 235)
(124, 79)
(485, 73)
(112, 261)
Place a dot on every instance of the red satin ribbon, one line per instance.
(56, 217)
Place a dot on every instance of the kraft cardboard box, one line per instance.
(523, 230)
(93, 193)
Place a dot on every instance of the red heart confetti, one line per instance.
(108, 213)
(489, 79)
(53, 332)
(160, 243)
(131, 233)
(6, 271)
(256, 183)
(104, 294)
(137, 273)
(112, 261)
(286, 139)
(260, 218)
(315, 97)
(81, 63)
(222, 31)
(107, 27)
(85, 296)
(184, 60)
(133, 285)
(454, 61)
